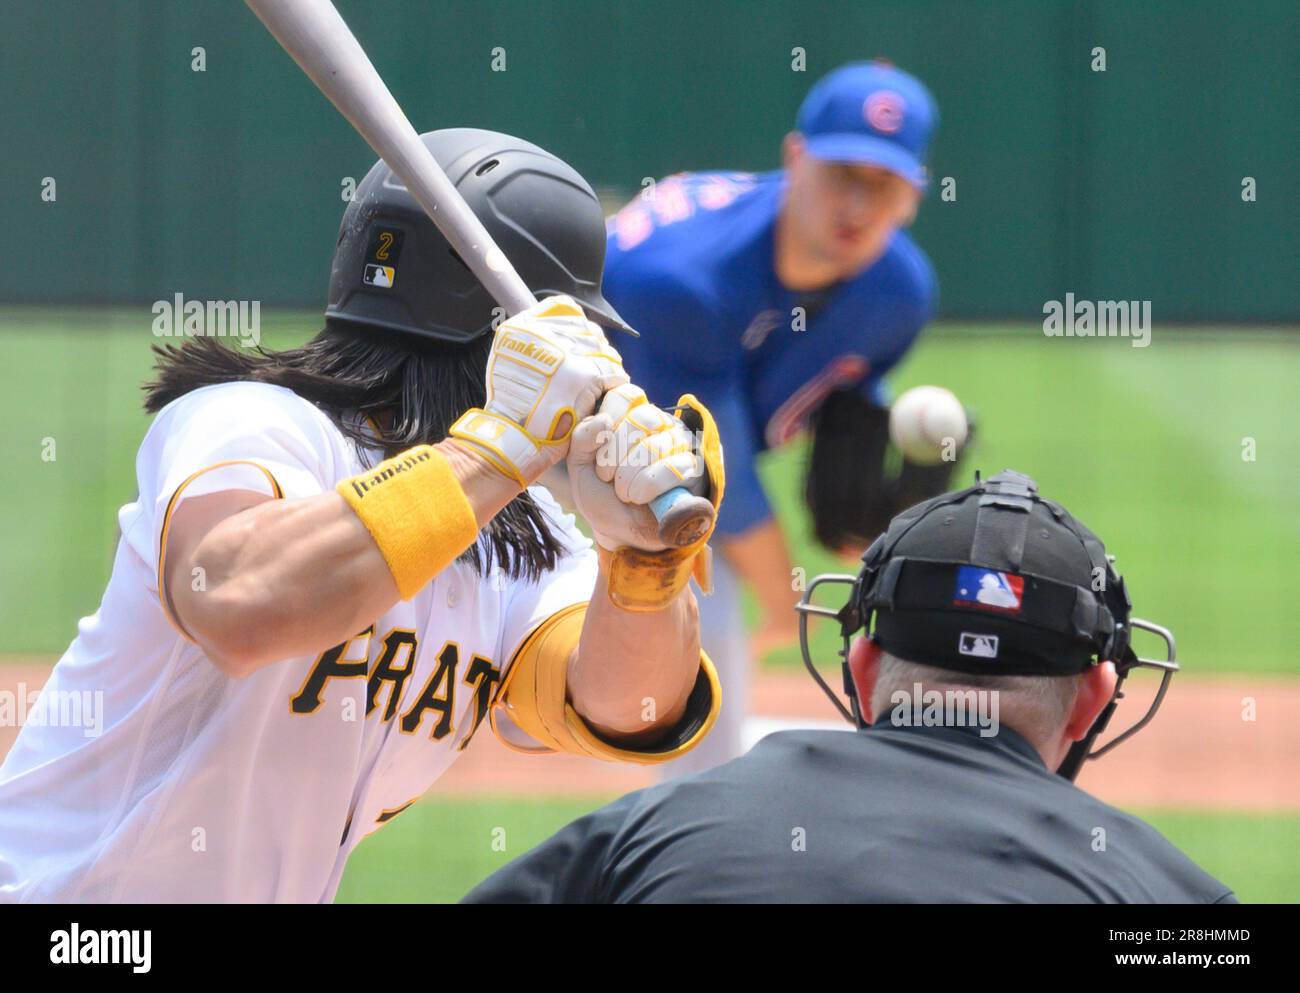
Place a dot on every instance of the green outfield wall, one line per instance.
(227, 183)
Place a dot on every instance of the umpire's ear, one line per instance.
(1096, 689)
(864, 665)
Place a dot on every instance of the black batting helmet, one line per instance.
(394, 269)
(993, 579)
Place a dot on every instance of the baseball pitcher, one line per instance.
(782, 299)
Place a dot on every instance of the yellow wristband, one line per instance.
(414, 508)
(643, 581)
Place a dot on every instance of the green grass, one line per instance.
(74, 377)
(1145, 447)
(1255, 854)
(441, 848)
(1143, 444)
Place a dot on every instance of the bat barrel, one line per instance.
(314, 33)
(316, 36)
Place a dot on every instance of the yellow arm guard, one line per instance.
(646, 581)
(414, 508)
(534, 698)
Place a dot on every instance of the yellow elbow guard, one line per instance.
(414, 508)
(534, 697)
(643, 581)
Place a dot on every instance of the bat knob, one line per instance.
(683, 517)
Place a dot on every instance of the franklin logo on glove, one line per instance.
(529, 350)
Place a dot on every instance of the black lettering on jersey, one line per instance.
(439, 694)
(484, 677)
(385, 671)
(331, 665)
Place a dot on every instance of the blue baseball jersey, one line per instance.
(691, 268)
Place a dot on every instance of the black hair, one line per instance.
(411, 389)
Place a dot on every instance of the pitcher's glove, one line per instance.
(855, 482)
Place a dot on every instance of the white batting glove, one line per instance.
(621, 458)
(548, 368)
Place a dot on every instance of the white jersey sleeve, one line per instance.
(233, 436)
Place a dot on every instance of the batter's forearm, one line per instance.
(288, 578)
(633, 671)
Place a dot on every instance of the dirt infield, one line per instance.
(1200, 752)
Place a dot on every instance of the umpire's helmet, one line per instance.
(992, 579)
(394, 269)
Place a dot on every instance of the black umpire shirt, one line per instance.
(885, 815)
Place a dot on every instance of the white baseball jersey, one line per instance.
(199, 787)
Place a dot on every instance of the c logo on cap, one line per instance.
(883, 110)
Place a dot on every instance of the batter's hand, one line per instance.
(621, 458)
(548, 368)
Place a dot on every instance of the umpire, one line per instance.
(999, 647)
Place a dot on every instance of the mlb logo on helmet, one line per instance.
(984, 646)
(381, 257)
(988, 589)
(379, 275)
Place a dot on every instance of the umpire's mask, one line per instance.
(992, 579)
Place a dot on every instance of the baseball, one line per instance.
(928, 425)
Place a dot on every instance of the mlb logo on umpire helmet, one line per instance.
(984, 646)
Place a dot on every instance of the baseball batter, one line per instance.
(337, 567)
(782, 300)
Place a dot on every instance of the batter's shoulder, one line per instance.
(244, 401)
(259, 412)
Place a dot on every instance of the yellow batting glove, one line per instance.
(625, 455)
(647, 451)
(547, 370)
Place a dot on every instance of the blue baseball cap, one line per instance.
(870, 113)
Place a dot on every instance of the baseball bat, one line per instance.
(316, 36)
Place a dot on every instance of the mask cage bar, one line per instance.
(1168, 666)
(806, 607)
